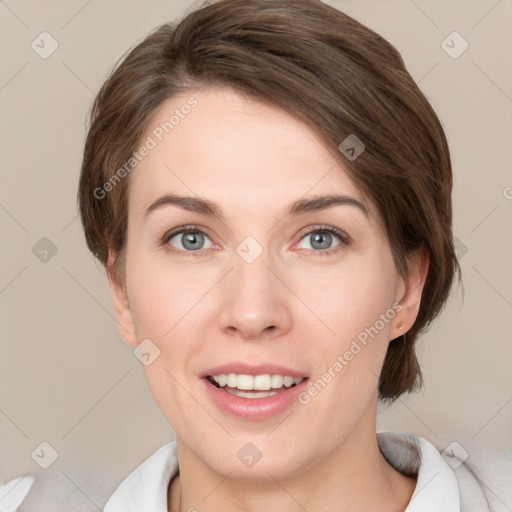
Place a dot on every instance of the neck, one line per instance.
(353, 478)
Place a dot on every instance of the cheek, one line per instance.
(353, 311)
(348, 298)
(167, 304)
(162, 306)
(161, 297)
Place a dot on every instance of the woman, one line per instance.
(270, 194)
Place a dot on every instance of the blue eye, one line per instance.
(321, 239)
(189, 240)
(192, 241)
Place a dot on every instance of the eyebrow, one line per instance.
(298, 207)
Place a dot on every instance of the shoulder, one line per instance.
(145, 488)
(452, 480)
(484, 477)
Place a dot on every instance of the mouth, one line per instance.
(253, 392)
(253, 386)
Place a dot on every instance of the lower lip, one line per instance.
(254, 408)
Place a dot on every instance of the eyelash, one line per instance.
(343, 237)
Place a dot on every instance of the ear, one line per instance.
(121, 307)
(409, 292)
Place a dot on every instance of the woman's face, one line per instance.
(270, 281)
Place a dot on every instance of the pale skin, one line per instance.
(292, 306)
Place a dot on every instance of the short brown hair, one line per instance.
(325, 69)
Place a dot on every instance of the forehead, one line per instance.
(240, 152)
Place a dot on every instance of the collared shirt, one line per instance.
(437, 489)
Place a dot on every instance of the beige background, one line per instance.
(68, 379)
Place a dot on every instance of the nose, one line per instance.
(254, 301)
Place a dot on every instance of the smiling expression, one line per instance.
(251, 253)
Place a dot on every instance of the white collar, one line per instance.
(436, 485)
(436, 489)
(145, 488)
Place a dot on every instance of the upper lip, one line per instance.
(246, 369)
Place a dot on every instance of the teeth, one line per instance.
(277, 381)
(244, 382)
(231, 380)
(262, 382)
(250, 394)
(258, 382)
(288, 381)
